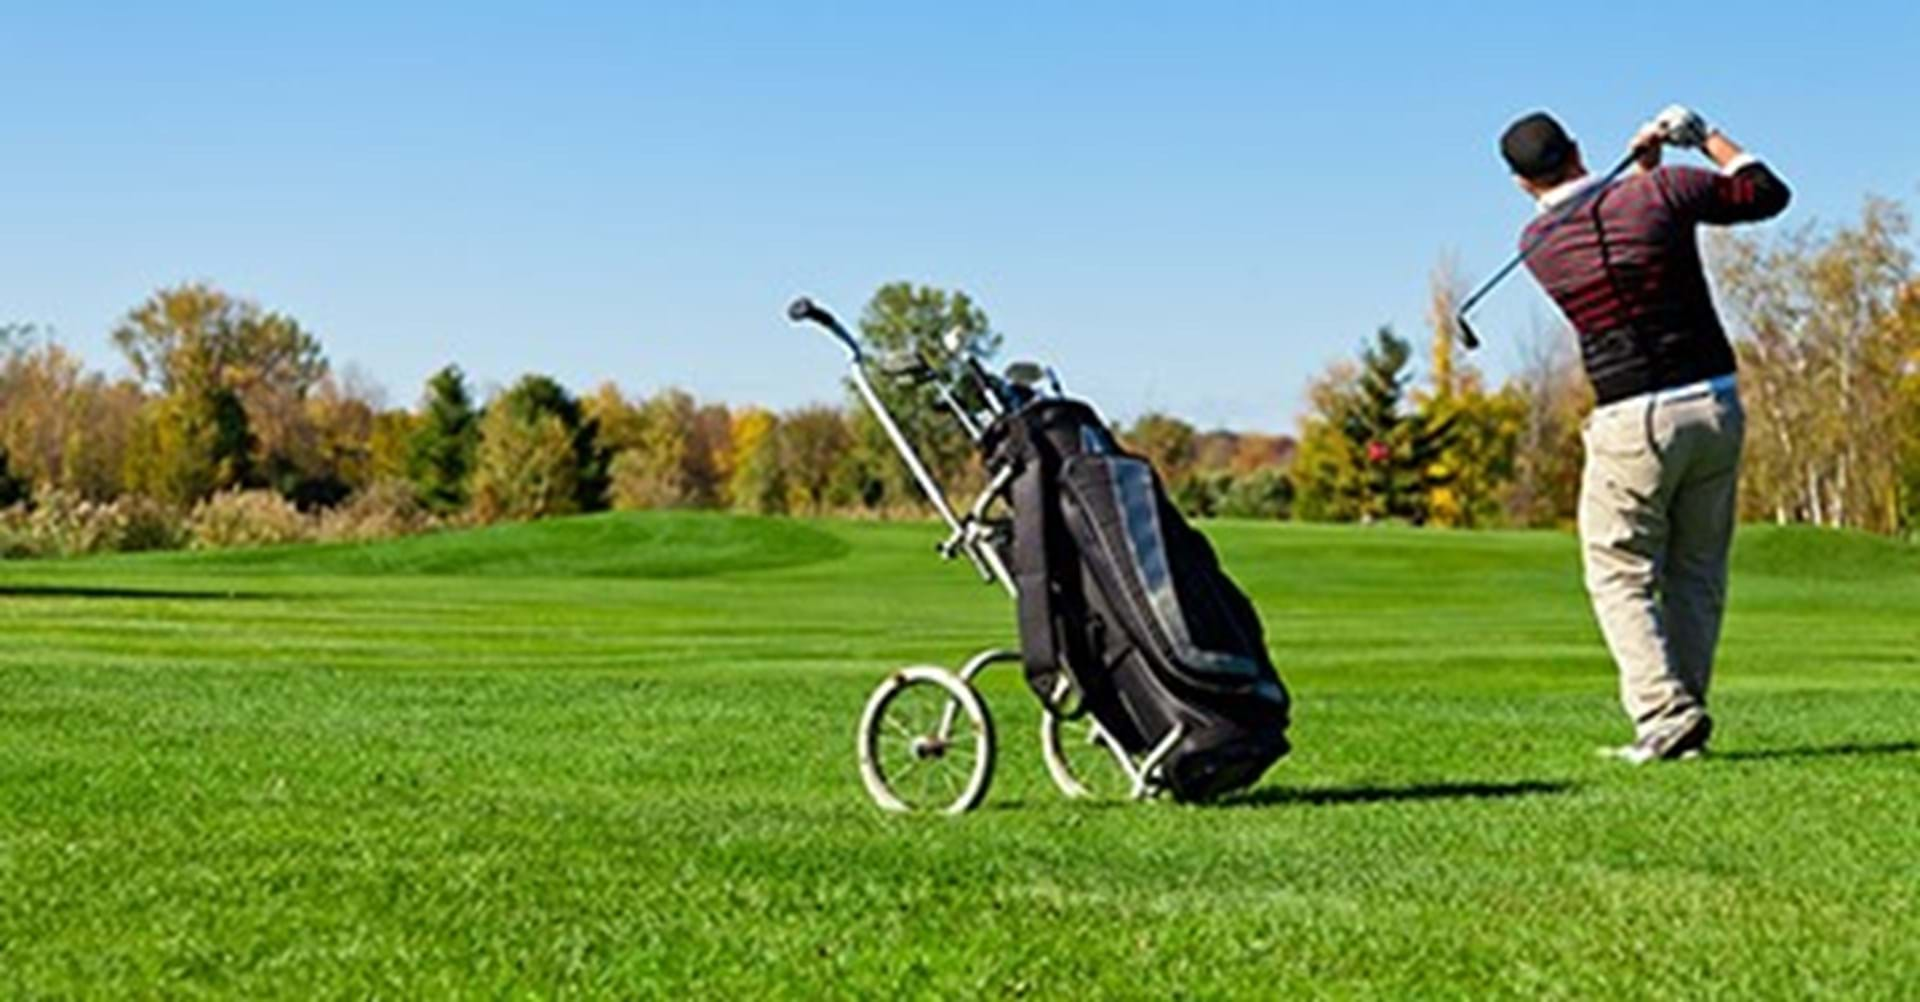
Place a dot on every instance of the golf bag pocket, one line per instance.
(1161, 579)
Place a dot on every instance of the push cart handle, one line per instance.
(805, 311)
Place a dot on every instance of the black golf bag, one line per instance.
(1122, 595)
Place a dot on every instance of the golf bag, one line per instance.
(1118, 592)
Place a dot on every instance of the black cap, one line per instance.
(1536, 146)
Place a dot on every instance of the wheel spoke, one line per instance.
(908, 764)
(931, 782)
(937, 726)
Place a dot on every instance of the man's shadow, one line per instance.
(1847, 750)
(1277, 796)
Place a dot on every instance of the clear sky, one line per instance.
(1185, 206)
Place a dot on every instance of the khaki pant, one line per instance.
(1657, 507)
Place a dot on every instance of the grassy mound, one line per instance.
(612, 545)
(1799, 551)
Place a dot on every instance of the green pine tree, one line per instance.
(1398, 450)
(1364, 454)
(440, 452)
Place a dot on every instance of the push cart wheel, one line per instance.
(926, 743)
(1082, 759)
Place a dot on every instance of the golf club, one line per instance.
(1467, 336)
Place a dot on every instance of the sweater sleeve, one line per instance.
(1748, 194)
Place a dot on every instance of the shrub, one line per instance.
(141, 523)
(62, 523)
(1199, 494)
(383, 509)
(247, 518)
(15, 542)
(1264, 493)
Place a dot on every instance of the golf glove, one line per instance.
(1680, 125)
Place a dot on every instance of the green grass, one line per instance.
(613, 756)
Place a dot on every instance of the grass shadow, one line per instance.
(1280, 796)
(135, 594)
(1847, 750)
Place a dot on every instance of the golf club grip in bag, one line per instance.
(1120, 593)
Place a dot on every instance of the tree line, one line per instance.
(234, 426)
(1826, 326)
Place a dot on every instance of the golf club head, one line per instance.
(1468, 338)
(907, 366)
(1026, 374)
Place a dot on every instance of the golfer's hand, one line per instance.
(1680, 125)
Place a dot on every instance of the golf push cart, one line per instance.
(1149, 663)
(926, 740)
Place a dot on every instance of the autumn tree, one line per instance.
(390, 446)
(1544, 488)
(13, 489)
(665, 451)
(62, 426)
(869, 476)
(1909, 421)
(189, 444)
(1253, 452)
(757, 479)
(1826, 340)
(1469, 473)
(525, 466)
(340, 416)
(1167, 442)
(1326, 469)
(195, 340)
(617, 421)
(194, 334)
(812, 441)
(621, 435)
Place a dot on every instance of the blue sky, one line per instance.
(1184, 206)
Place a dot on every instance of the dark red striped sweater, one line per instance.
(1625, 269)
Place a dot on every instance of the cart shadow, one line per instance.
(126, 594)
(1281, 796)
(1847, 750)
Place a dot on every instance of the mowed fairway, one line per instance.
(614, 756)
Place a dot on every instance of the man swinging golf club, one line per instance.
(1658, 492)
